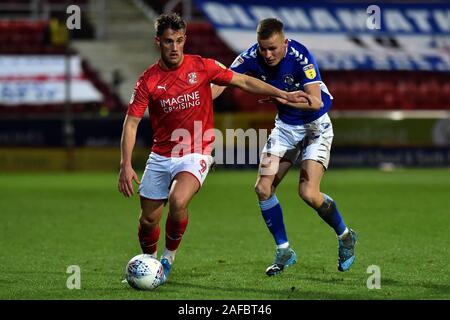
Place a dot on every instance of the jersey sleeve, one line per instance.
(218, 73)
(139, 99)
(240, 64)
(309, 69)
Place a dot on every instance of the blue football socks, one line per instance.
(273, 216)
(330, 214)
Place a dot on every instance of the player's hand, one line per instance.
(126, 176)
(298, 97)
(277, 100)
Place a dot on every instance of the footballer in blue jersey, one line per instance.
(294, 72)
(303, 134)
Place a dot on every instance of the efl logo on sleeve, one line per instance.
(310, 71)
(237, 62)
(220, 64)
(132, 97)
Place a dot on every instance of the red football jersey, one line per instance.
(180, 104)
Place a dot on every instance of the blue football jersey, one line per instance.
(295, 70)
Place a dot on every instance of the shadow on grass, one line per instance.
(394, 285)
(290, 293)
(443, 288)
(342, 287)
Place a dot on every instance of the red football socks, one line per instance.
(174, 232)
(148, 239)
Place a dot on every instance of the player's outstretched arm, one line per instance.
(216, 90)
(127, 173)
(257, 86)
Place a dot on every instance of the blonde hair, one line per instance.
(267, 27)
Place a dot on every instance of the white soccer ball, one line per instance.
(144, 272)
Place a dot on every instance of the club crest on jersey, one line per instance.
(192, 78)
(289, 79)
(310, 72)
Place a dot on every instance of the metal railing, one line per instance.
(34, 10)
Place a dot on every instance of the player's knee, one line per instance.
(263, 192)
(268, 168)
(177, 204)
(148, 221)
(311, 196)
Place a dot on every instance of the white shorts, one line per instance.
(160, 171)
(311, 141)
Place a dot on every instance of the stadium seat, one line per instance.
(201, 33)
(343, 99)
(388, 90)
(29, 37)
(430, 95)
(384, 93)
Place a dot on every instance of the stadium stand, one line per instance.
(160, 6)
(28, 37)
(115, 45)
(352, 89)
(379, 90)
(20, 36)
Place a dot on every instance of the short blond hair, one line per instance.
(268, 27)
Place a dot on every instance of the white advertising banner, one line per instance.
(29, 79)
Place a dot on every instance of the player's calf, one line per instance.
(329, 213)
(148, 239)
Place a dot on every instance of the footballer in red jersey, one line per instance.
(178, 98)
(176, 90)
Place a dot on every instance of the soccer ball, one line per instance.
(144, 272)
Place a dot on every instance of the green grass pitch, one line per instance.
(52, 221)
